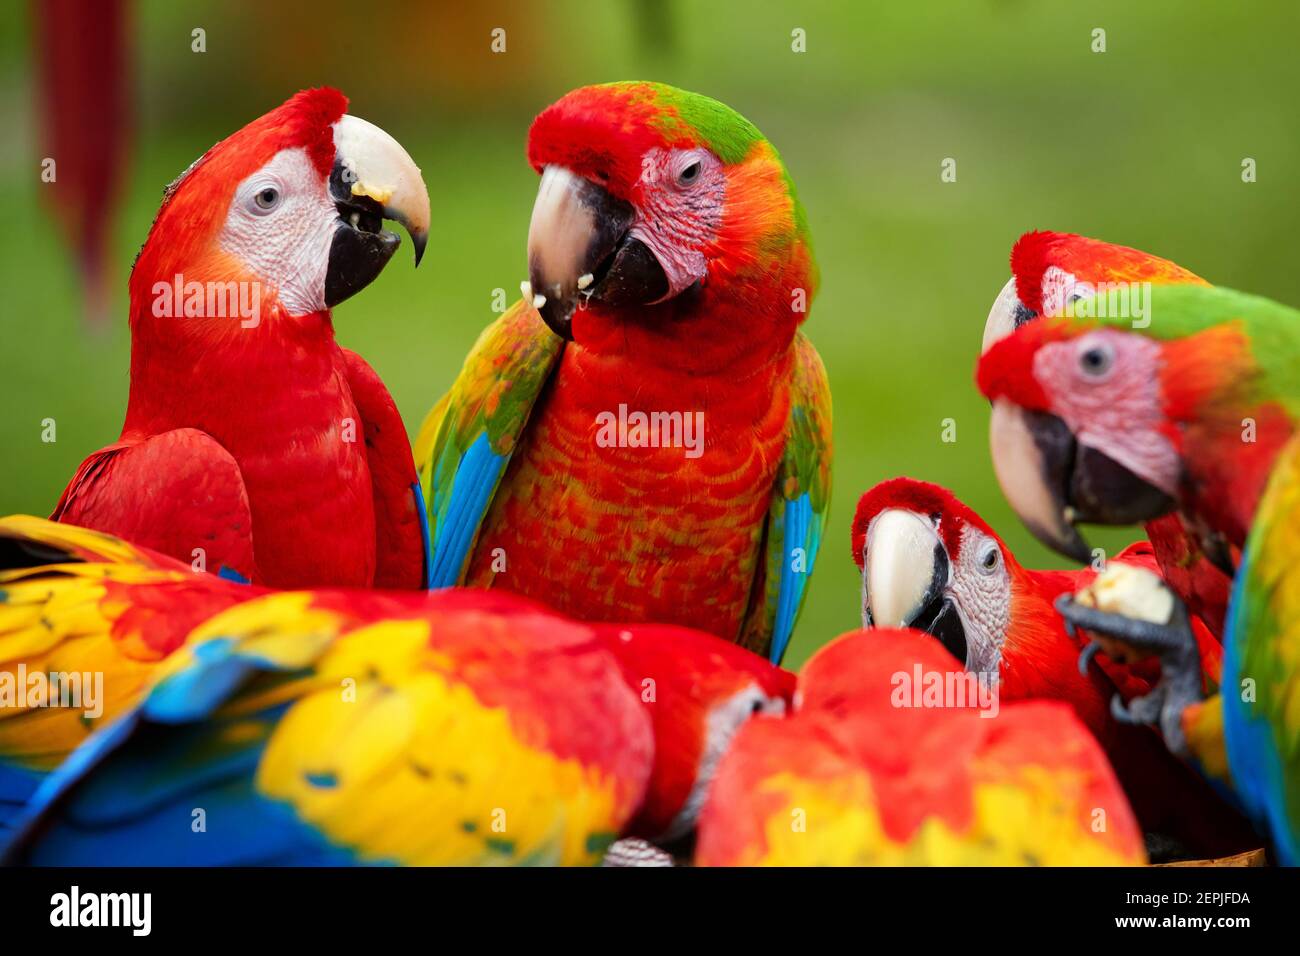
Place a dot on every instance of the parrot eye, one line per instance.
(989, 558)
(689, 174)
(266, 199)
(1096, 360)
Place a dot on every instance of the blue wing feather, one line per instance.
(801, 531)
(1258, 775)
(476, 478)
(425, 542)
(157, 765)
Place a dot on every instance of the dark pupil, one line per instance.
(757, 706)
(990, 559)
(690, 172)
(1094, 359)
(268, 196)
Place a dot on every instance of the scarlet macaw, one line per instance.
(306, 720)
(865, 772)
(929, 561)
(253, 444)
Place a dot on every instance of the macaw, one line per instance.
(865, 772)
(254, 445)
(79, 602)
(1050, 269)
(646, 436)
(1110, 423)
(929, 561)
(326, 710)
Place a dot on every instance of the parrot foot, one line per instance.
(1142, 635)
(1173, 642)
(1139, 710)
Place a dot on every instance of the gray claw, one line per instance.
(1180, 665)
(1087, 654)
(1120, 712)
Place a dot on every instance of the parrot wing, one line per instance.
(401, 524)
(148, 491)
(467, 440)
(797, 516)
(1261, 663)
(95, 611)
(296, 729)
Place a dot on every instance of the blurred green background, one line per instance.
(1141, 144)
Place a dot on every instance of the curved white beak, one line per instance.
(377, 166)
(1002, 316)
(904, 568)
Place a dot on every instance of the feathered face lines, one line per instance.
(637, 206)
(1080, 429)
(292, 204)
(1050, 270)
(931, 563)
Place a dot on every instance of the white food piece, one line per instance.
(1131, 591)
(585, 280)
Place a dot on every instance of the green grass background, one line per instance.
(1142, 145)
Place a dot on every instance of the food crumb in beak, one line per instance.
(526, 289)
(585, 280)
(539, 300)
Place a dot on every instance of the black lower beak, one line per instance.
(361, 246)
(1097, 489)
(634, 277)
(1103, 491)
(580, 251)
(937, 614)
(939, 619)
(629, 275)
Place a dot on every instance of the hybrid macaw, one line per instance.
(253, 444)
(305, 721)
(1050, 269)
(865, 772)
(929, 561)
(646, 436)
(1194, 411)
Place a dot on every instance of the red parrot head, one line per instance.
(1051, 269)
(1098, 420)
(1050, 272)
(699, 690)
(652, 197)
(292, 204)
(930, 562)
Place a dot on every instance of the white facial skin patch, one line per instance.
(281, 224)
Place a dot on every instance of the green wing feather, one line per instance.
(800, 502)
(468, 438)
